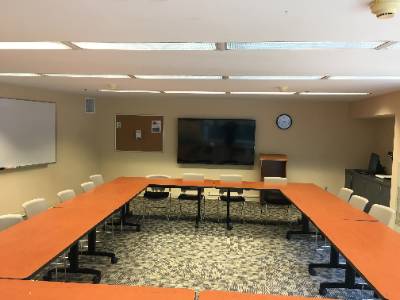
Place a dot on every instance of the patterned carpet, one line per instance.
(253, 257)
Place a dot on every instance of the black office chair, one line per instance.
(236, 195)
(160, 195)
(191, 193)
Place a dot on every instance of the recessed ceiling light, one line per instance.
(247, 77)
(129, 91)
(263, 93)
(19, 75)
(195, 92)
(33, 46)
(146, 46)
(205, 77)
(393, 45)
(109, 76)
(363, 77)
(301, 45)
(334, 94)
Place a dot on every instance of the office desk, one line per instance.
(222, 295)
(29, 246)
(370, 247)
(41, 290)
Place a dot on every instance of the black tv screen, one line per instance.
(216, 141)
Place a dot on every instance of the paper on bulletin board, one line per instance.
(156, 126)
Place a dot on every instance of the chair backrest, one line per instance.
(87, 186)
(35, 206)
(276, 180)
(157, 176)
(97, 179)
(358, 202)
(345, 194)
(192, 176)
(66, 195)
(9, 220)
(384, 214)
(231, 178)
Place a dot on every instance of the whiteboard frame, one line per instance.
(55, 132)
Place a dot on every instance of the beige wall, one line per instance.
(384, 140)
(76, 153)
(323, 141)
(387, 105)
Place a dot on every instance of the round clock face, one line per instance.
(284, 121)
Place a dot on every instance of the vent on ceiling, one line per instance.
(90, 105)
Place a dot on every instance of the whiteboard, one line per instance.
(27, 133)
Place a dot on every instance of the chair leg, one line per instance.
(241, 212)
(218, 204)
(204, 209)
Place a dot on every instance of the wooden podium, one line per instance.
(273, 165)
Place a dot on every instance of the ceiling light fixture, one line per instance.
(364, 78)
(301, 45)
(129, 91)
(19, 75)
(334, 93)
(250, 77)
(33, 46)
(263, 93)
(203, 77)
(195, 92)
(107, 76)
(147, 46)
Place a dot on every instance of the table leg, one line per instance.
(125, 214)
(92, 248)
(73, 257)
(228, 211)
(198, 217)
(333, 263)
(305, 228)
(349, 282)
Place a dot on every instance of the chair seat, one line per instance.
(188, 197)
(156, 195)
(232, 198)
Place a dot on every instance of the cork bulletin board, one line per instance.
(139, 133)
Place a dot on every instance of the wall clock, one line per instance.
(284, 121)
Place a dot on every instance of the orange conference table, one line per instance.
(29, 246)
(73, 219)
(42, 290)
(39, 290)
(222, 295)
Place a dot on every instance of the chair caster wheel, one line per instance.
(114, 260)
(322, 291)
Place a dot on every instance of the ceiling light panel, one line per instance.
(33, 46)
(108, 76)
(130, 91)
(19, 75)
(147, 46)
(394, 45)
(246, 77)
(193, 77)
(301, 45)
(195, 92)
(334, 93)
(263, 93)
(364, 78)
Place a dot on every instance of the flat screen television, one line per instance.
(216, 141)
